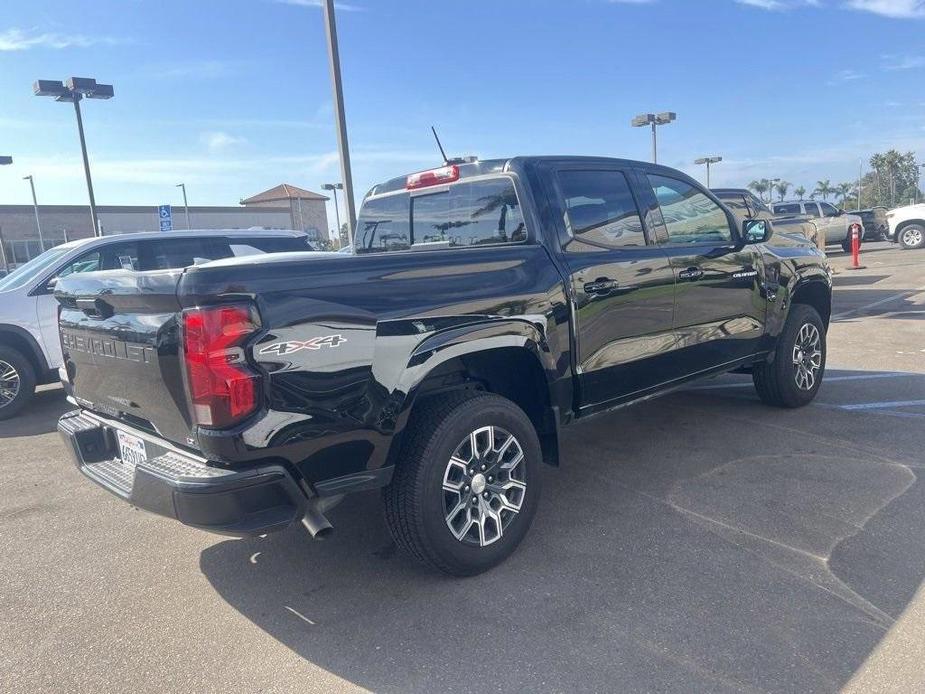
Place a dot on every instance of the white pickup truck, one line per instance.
(30, 348)
(834, 222)
(907, 225)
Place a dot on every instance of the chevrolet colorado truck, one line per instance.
(486, 305)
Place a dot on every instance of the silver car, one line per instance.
(834, 222)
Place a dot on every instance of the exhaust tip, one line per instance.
(317, 525)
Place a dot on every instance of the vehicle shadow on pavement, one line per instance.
(701, 541)
(858, 304)
(40, 417)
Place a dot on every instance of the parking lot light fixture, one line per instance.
(654, 120)
(6, 161)
(73, 91)
(35, 209)
(334, 187)
(709, 161)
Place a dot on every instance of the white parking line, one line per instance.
(826, 379)
(882, 405)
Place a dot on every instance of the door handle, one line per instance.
(691, 273)
(602, 285)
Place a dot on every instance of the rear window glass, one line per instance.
(465, 215)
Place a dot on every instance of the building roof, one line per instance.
(283, 191)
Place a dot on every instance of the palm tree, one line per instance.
(824, 188)
(760, 187)
(800, 192)
(782, 187)
(844, 190)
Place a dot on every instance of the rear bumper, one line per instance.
(179, 485)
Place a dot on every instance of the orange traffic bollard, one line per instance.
(855, 232)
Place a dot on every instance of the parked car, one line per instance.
(746, 205)
(876, 224)
(907, 225)
(30, 348)
(487, 305)
(834, 222)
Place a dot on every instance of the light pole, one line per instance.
(73, 90)
(342, 146)
(334, 187)
(655, 120)
(185, 204)
(708, 161)
(35, 208)
(5, 160)
(916, 194)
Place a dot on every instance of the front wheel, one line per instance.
(467, 485)
(17, 382)
(912, 236)
(793, 377)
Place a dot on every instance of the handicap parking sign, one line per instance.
(165, 216)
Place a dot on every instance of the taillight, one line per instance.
(434, 177)
(223, 389)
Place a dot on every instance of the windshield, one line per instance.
(26, 273)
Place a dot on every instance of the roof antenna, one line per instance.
(439, 146)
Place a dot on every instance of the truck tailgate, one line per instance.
(120, 338)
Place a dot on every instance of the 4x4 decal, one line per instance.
(282, 348)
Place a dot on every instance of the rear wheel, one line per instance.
(466, 488)
(912, 236)
(17, 382)
(793, 378)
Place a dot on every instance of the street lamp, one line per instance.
(342, 146)
(73, 90)
(334, 187)
(185, 204)
(708, 161)
(35, 208)
(655, 120)
(6, 161)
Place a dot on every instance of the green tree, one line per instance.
(824, 188)
(843, 190)
(760, 187)
(782, 187)
(800, 192)
(896, 178)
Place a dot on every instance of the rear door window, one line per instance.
(120, 256)
(788, 208)
(600, 208)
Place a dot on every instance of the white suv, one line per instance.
(907, 225)
(30, 348)
(835, 222)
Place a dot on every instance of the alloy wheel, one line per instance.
(484, 485)
(9, 383)
(807, 356)
(912, 237)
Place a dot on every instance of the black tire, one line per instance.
(912, 236)
(415, 501)
(777, 381)
(13, 360)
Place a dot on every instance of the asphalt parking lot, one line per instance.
(697, 542)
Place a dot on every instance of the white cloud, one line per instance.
(197, 69)
(903, 62)
(764, 4)
(220, 141)
(632, 2)
(317, 3)
(18, 40)
(900, 9)
(845, 76)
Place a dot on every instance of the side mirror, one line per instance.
(756, 231)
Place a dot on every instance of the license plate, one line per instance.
(131, 449)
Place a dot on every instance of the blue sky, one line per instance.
(233, 96)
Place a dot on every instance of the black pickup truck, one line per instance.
(487, 305)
